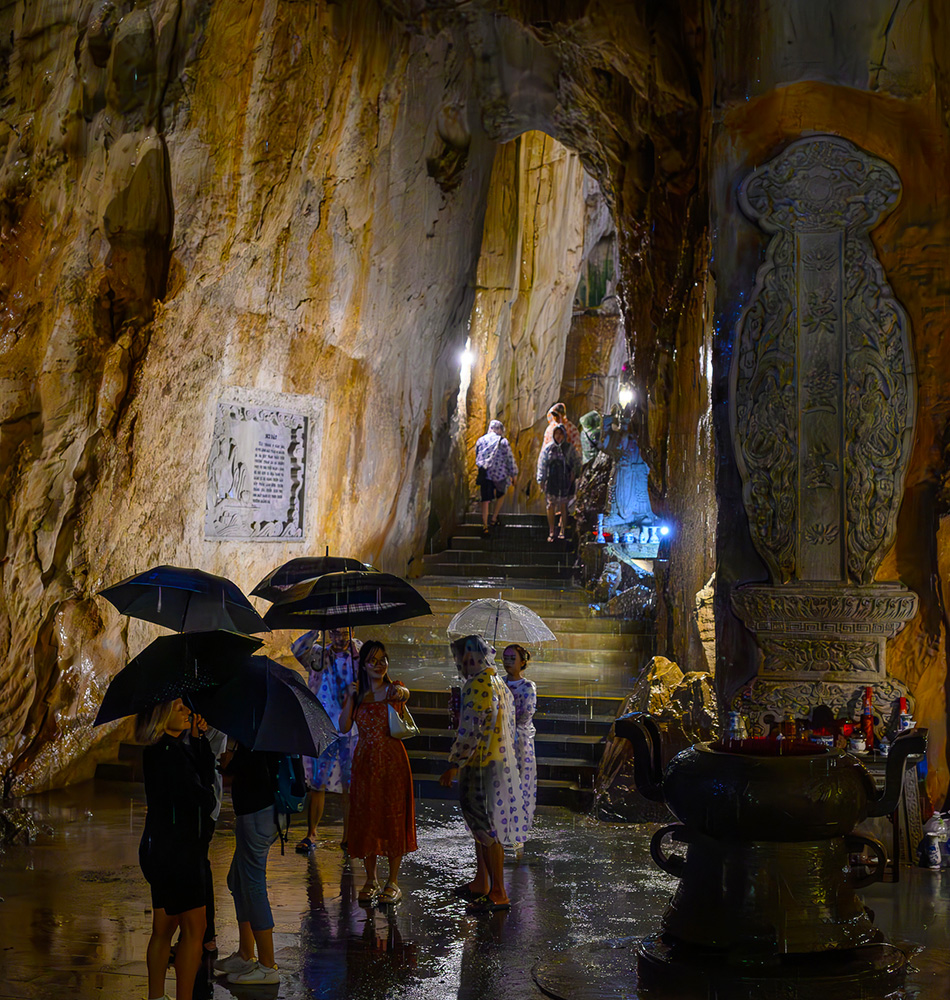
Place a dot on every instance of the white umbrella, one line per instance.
(494, 618)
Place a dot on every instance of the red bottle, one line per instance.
(867, 719)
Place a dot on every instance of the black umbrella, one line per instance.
(174, 666)
(278, 581)
(353, 598)
(187, 600)
(266, 706)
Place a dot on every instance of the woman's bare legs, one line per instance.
(159, 947)
(370, 865)
(549, 510)
(188, 951)
(484, 506)
(497, 507)
(394, 863)
(481, 884)
(495, 859)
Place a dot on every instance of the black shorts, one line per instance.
(178, 881)
(489, 490)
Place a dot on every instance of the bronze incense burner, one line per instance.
(767, 826)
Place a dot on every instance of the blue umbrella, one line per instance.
(185, 599)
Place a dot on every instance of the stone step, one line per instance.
(559, 706)
(436, 624)
(435, 635)
(522, 591)
(477, 572)
(578, 772)
(474, 519)
(543, 560)
(401, 653)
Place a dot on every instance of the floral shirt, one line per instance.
(493, 454)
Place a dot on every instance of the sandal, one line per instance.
(391, 894)
(485, 904)
(368, 893)
(465, 891)
(551, 537)
(306, 846)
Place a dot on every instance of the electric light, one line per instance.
(625, 396)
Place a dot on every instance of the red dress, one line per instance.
(382, 810)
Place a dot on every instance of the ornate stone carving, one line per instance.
(822, 407)
(256, 474)
(823, 396)
(771, 701)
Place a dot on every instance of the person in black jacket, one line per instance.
(173, 852)
(253, 785)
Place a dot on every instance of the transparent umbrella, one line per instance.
(494, 618)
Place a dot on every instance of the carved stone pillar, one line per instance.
(822, 406)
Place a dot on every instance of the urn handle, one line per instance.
(673, 864)
(856, 842)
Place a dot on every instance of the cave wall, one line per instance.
(201, 196)
(285, 198)
(874, 73)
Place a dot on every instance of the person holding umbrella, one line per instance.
(483, 760)
(383, 817)
(331, 670)
(173, 851)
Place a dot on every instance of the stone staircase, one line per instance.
(582, 678)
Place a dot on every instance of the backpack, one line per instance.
(290, 793)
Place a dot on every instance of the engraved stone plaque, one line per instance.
(256, 474)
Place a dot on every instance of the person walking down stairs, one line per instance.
(496, 470)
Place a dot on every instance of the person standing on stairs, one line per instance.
(483, 759)
(331, 670)
(557, 417)
(525, 695)
(496, 470)
(558, 468)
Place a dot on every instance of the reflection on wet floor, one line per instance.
(75, 910)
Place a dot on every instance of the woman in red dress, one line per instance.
(382, 811)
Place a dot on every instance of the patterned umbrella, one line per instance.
(337, 600)
(496, 619)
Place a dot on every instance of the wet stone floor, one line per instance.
(75, 912)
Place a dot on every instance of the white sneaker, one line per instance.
(234, 963)
(259, 975)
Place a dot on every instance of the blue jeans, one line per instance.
(247, 877)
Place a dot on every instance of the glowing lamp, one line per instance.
(625, 396)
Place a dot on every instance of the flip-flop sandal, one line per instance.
(465, 892)
(305, 846)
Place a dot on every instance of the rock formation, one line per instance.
(316, 205)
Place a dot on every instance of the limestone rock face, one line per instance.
(200, 199)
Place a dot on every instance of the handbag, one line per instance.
(401, 727)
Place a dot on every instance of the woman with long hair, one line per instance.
(382, 811)
(173, 852)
